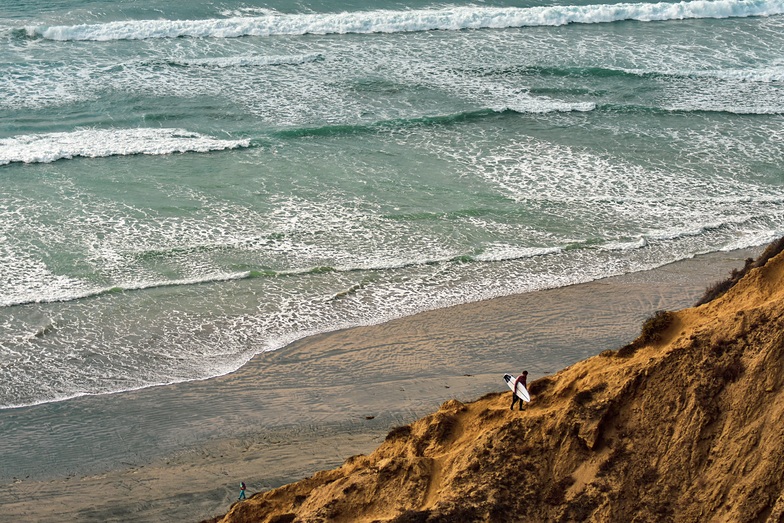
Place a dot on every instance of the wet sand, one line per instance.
(178, 453)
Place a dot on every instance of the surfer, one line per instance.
(515, 398)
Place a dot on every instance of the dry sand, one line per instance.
(178, 453)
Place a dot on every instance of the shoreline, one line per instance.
(178, 451)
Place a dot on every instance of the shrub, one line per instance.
(399, 433)
(718, 289)
(651, 332)
(654, 326)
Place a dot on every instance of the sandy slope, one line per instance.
(685, 425)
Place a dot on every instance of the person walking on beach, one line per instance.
(242, 491)
(515, 398)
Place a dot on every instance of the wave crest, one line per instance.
(99, 143)
(387, 21)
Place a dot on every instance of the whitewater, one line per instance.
(387, 21)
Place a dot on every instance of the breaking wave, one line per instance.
(388, 21)
(100, 143)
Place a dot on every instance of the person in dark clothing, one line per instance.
(515, 398)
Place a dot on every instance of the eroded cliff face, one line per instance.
(685, 425)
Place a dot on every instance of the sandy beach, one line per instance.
(178, 452)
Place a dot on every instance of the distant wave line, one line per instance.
(389, 21)
(423, 121)
(251, 60)
(761, 75)
(372, 127)
(641, 109)
(246, 61)
(103, 143)
(482, 114)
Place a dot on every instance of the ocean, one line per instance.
(184, 185)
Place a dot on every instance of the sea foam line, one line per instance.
(388, 21)
(99, 143)
(492, 253)
(769, 74)
(508, 253)
(250, 61)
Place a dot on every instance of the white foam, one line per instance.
(252, 61)
(763, 75)
(505, 252)
(387, 21)
(245, 11)
(98, 143)
(623, 245)
(30, 281)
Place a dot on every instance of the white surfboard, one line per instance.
(521, 390)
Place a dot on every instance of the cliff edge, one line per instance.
(684, 424)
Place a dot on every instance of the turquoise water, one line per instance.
(184, 184)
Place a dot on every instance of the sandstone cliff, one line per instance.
(685, 424)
